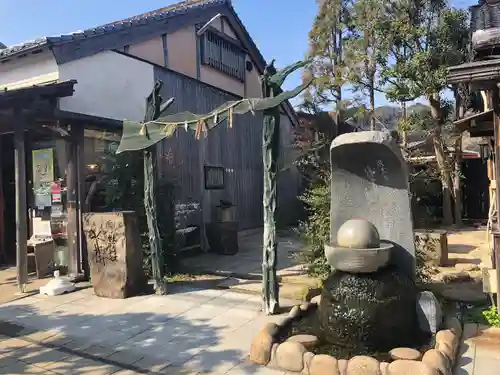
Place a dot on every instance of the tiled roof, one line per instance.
(166, 12)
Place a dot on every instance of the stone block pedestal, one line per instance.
(115, 254)
(434, 244)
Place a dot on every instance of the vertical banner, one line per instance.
(43, 176)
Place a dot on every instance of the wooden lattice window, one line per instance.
(223, 55)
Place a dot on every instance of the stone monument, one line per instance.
(115, 254)
(370, 302)
(369, 180)
(361, 290)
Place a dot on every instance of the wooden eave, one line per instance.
(91, 121)
(476, 120)
(481, 128)
(477, 71)
(26, 97)
(36, 104)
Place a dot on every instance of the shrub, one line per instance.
(316, 229)
(123, 190)
(492, 317)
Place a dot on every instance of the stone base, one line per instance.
(434, 244)
(292, 356)
(352, 306)
(115, 254)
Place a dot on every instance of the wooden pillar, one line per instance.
(21, 205)
(3, 254)
(496, 232)
(80, 158)
(487, 99)
(205, 195)
(72, 206)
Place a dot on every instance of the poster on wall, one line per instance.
(43, 176)
(55, 190)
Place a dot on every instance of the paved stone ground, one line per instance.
(468, 249)
(8, 285)
(479, 352)
(461, 278)
(242, 272)
(247, 263)
(190, 331)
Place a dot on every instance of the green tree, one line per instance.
(432, 36)
(366, 50)
(326, 40)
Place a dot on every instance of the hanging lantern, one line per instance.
(484, 149)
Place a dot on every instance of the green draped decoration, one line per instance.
(139, 136)
(157, 126)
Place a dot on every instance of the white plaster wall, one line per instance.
(109, 85)
(28, 71)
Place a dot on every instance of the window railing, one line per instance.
(223, 55)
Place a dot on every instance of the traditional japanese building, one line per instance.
(478, 83)
(63, 99)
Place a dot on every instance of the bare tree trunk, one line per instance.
(404, 138)
(372, 105)
(336, 58)
(457, 190)
(442, 162)
(460, 109)
(445, 174)
(270, 153)
(91, 193)
(154, 108)
(157, 261)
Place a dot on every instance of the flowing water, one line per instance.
(365, 314)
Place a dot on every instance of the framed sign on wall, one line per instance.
(214, 177)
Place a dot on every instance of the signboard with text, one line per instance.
(43, 176)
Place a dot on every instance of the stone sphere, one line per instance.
(358, 234)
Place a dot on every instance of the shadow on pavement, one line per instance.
(79, 333)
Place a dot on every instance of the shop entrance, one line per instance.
(46, 166)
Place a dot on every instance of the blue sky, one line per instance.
(279, 27)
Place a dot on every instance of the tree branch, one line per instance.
(92, 191)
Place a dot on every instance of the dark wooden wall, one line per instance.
(238, 150)
(475, 193)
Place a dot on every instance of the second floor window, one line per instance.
(221, 54)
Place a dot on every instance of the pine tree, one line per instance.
(426, 37)
(366, 50)
(326, 40)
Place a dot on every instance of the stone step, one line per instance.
(489, 280)
(292, 291)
